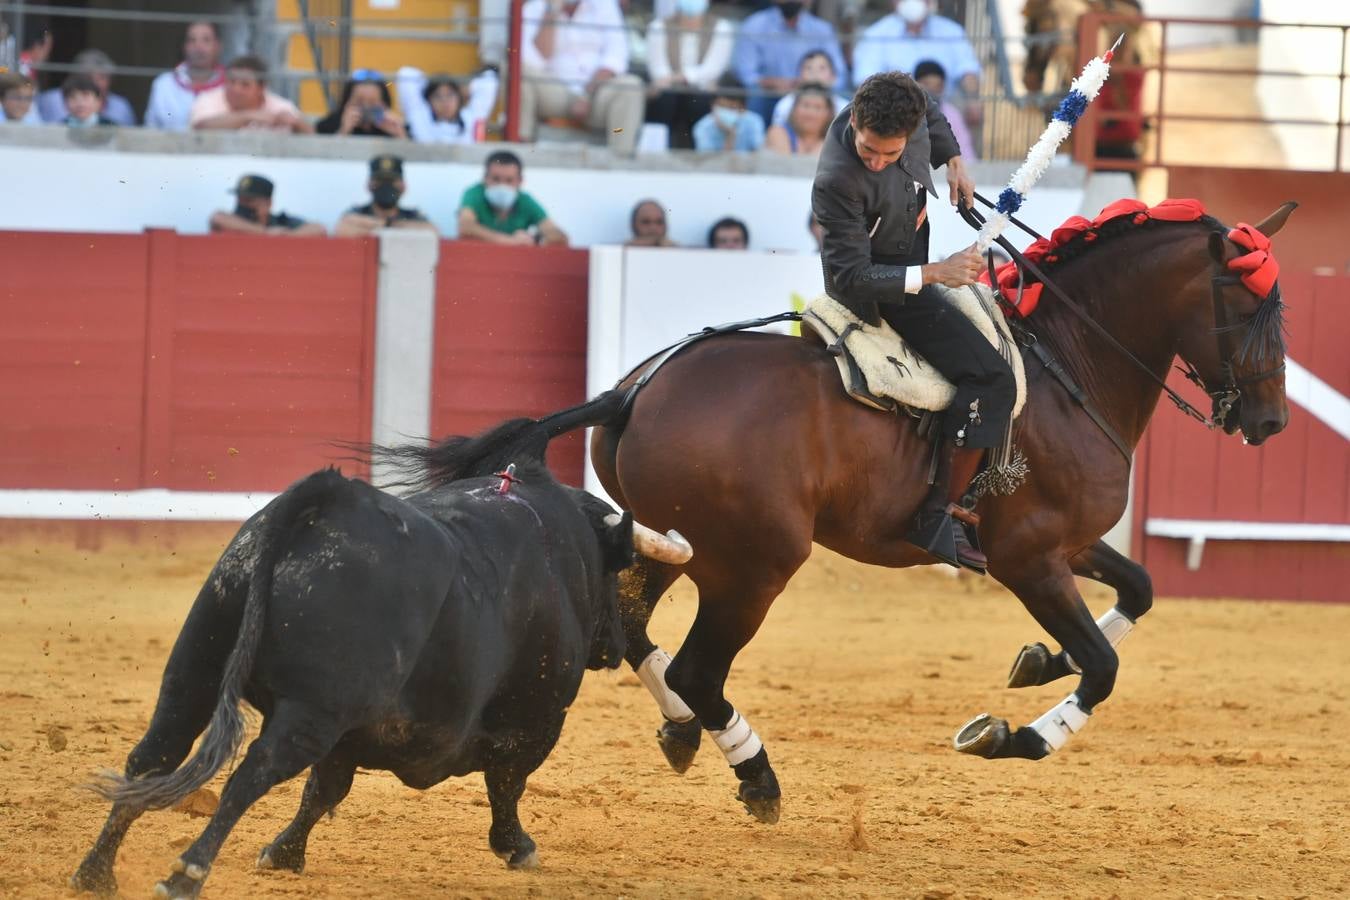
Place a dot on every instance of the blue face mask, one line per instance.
(691, 7)
(727, 116)
(500, 196)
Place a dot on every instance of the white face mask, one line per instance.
(912, 11)
(691, 8)
(500, 196)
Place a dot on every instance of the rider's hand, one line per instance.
(960, 182)
(957, 270)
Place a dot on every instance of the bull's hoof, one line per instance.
(982, 736)
(282, 856)
(92, 879)
(525, 858)
(679, 742)
(1030, 667)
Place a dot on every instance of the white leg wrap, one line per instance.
(652, 673)
(1063, 720)
(1115, 625)
(738, 741)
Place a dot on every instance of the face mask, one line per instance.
(385, 196)
(691, 7)
(500, 196)
(727, 116)
(790, 9)
(912, 11)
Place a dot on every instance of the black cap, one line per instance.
(386, 166)
(253, 186)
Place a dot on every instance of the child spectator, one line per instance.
(437, 112)
(729, 126)
(96, 66)
(82, 101)
(16, 100)
(172, 93)
(496, 210)
(933, 79)
(253, 213)
(365, 109)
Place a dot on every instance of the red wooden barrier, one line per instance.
(510, 340)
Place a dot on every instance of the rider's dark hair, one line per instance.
(889, 104)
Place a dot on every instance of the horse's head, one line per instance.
(1235, 341)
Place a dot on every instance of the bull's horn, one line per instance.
(1275, 221)
(670, 547)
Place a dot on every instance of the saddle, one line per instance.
(881, 371)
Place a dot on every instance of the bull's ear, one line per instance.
(1275, 221)
(616, 544)
(1217, 251)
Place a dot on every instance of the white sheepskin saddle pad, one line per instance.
(894, 373)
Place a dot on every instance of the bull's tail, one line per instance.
(520, 441)
(225, 732)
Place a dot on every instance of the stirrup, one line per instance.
(936, 532)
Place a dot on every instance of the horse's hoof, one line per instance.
(524, 859)
(1029, 669)
(982, 736)
(85, 881)
(764, 809)
(274, 857)
(679, 742)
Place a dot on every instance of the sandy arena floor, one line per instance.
(1221, 767)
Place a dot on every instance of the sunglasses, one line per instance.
(367, 75)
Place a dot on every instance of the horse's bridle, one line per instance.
(1224, 398)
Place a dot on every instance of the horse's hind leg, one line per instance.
(1036, 665)
(294, 738)
(328, 784)
(1050, 595)
(640, 589)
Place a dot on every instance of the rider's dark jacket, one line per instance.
(869, 217)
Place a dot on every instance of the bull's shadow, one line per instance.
(432, 636)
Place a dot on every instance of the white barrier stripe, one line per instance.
(1317, 397)
(652, 673)
(143, 505)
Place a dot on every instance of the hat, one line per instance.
(253, 186)
(386, 166)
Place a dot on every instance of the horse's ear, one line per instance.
(1275, 221)
(1217, 251)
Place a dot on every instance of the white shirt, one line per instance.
(889, 46)
(171, 98)
(701, 73)
(426, 128)
(594, 38)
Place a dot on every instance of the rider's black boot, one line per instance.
(944, 527)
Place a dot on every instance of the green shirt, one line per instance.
(525, 213)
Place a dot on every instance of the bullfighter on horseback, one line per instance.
(870, 195)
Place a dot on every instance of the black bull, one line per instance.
(432, 637)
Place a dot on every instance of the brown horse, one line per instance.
(747, 444)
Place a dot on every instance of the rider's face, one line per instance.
(875, 151)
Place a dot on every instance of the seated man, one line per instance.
(915, 33)
(575, 54)
(172, 93)
(729, 234)
(244, 101)
(81, 100)
(648, 222)
(496, 210)
(386, 186)
(16, 100)
(97, 66)
(253, 213)
(730, 126)
(769, 52)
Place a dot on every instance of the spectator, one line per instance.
(244, 101)
(770, 50)
(648, 222)
(575, 56)
(365, 109)
(172, 93)
(933, 79)
(386, 186)
(817, 230)
(686, 54)
(81, 99)
(437, 112)
(16, 100)
(97, 67)
(496, 210)
(899, 42)
(37, 46)
(729, 234)
(812, 113)
(253, 213)
(729, 126)
(815, 68)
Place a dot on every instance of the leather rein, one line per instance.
(1224, 398)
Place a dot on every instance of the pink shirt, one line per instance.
(210, 104)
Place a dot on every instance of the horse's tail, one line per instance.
(225, 732)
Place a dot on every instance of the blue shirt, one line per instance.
(888, 46)
(768, 48)
(708, 138)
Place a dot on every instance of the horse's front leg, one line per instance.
(1036, 665)
(1050, 595)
